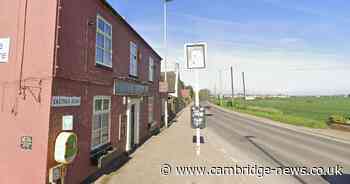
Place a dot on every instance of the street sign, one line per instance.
(4, 49)
(198, 117)
(196, 55)
(65, 101)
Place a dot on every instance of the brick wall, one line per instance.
(77, 75)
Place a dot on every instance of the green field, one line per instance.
(311, 112)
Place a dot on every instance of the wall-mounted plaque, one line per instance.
(26, 142)
(67, 123)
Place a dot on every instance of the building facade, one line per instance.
(72, 66)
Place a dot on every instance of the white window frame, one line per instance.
(133, 59)
(102, 111)
(151, 68)
(106, 36)
(150, 109)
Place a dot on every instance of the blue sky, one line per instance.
(284, 46)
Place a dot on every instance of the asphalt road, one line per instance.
(254, 141)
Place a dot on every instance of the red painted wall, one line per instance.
(69, 72)
(26, 115)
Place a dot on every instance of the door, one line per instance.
(132, 126)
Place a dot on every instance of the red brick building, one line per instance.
(74, 66)
(186, 93)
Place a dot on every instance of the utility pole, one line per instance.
(165, 61)
(244, 92)
(215, 90)
(232, 89)
(220, 82)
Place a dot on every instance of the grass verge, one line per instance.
(275, 114)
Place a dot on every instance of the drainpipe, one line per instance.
(23, 47)
(56, 42)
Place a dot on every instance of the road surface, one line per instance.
(248, 140)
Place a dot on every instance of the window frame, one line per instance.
(133, 66)
(151, 69)
(151, 112)
(102, 111)
(105, 36)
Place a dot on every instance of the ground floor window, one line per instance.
(100, 121)
(150, 110)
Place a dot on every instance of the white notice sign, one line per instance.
(4, 49)
(67, 122)
(195, 55)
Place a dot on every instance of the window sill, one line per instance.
(105, 67)
(133, 76)
(99, 152)
(152, 124)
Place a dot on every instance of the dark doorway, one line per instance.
(132, 126)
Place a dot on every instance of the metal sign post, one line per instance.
(195, 54)
(198, 130)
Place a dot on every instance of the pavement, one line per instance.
(234, 139)
(174, 147)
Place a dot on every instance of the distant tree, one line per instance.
(181, 85)
(191, 90)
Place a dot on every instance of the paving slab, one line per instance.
(174, 147)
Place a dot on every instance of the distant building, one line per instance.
(186, 93)
(174, 87)
(250, 97)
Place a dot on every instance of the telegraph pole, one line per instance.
(215, 89)
(165, 60)
(232, 89)
(244, 92)
(220, 82)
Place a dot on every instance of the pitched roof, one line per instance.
(109, 6)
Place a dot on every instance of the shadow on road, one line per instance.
(250, 139)
(343, 179)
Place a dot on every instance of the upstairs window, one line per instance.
(103, 42)
(133, 59)
(151, 69)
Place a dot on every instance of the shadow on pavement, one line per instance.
(343, 179)
(194, 139)
(112, 167)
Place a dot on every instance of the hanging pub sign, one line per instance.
(196, 55)
(65, 101)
